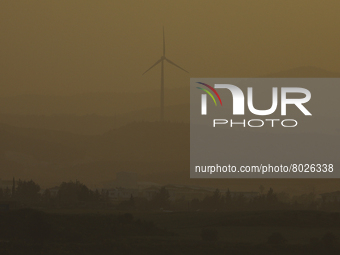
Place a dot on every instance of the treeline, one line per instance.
(76, 194)
(27, 193)
(267, 201)
(228, 201)
(219, 201)
(35, 226)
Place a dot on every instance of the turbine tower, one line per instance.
(161, 60)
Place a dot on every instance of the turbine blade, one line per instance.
(176, 65)
(163, 43)
(153, 66)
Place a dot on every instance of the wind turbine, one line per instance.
(161, 60)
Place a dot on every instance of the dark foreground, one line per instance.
(267, 232)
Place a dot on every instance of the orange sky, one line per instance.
(77, 46)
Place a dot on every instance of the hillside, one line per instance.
(159, 152)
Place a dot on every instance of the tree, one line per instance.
(132, 201)
(27, 192)
(161, 199)
(271, 197)
(228, 196)
(46, 196)
(216, 196)
(261, 189)
(73, 192)
(215, 201)
(7, 193)
(13, 187)
(228, 200)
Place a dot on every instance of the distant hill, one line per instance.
(34, 154)
(53, 156)
(56, 140)
(27, 146)
(92, 114)
(159, 152)
(304, 72)
(112, 104)
(106, 104)
(93, 124)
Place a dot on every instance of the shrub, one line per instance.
(209, 234)
(329, 239)
(276, 239)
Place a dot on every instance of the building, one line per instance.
(149, 192)
(185, 192)
(53, 191)
(123, 193)
(246, 195)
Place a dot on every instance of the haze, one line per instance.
(74, 68)
(71, 47)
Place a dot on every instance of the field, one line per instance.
(105, 232)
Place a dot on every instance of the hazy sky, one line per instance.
(67, 47)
